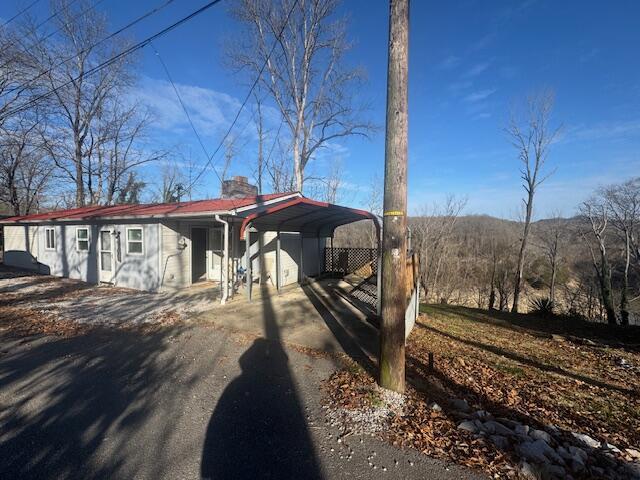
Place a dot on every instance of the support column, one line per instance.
(248, 273)
(379, 284)
(278, 264)
(225, 262)
(301, 266)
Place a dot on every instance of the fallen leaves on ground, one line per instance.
(429, 431)
(531, 377)
(22, 321)
(536, 379)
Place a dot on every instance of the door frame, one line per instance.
(102, 272)
(206, 251)
(213, 273)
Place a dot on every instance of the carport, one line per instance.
(314, 221)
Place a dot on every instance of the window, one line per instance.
(82, 239)
(50, 239)
(134, 241)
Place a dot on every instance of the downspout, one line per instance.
(225, 260)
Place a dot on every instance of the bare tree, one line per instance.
(595, 212)
(79, 100)
(531, 134)
(116, 149)
(279, 169)
(305, 76)
(552, 235)
(374, 205)
(18, 67)
(261, 133)
(24, 167)
(623, 204)
(431, 232)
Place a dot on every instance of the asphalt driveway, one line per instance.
(181, 402)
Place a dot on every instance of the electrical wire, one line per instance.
(113, 59)
(39, 41)
(19, 13)
(246, 99)
(91, 47)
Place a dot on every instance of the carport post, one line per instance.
(379, 283)
(225, 261)
(301, 267)
(247, 253)
(278, 261)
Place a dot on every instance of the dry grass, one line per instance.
(516, 367)
(579, 377)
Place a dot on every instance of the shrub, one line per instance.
(542, 307)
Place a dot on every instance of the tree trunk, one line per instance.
(79, 174)
(523, 247)
(297, 167)
(624, 300)
(492, 293)
(394, 242)
(552, 284)
(607, 294)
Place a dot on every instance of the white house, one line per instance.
(167, 246)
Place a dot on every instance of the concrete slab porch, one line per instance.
(316, 315)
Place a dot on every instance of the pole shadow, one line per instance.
(258, 428)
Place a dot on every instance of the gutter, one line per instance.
(225, 261)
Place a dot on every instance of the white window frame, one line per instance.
(141, 241)
(78, 240)
(46, 239)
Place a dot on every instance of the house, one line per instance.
(159, 247)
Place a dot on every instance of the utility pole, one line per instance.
(394, 238)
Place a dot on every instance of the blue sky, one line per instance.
(469, 61)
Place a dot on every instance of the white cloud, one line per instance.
(477, 69)
(458, 87)
(609, 130)
(210, 110)
(448, 63)
(480, 95)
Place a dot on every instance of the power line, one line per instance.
(19, 13)
(49, 18)
(182, 104)
(115, 58)
(246, 99)
(91, 47)
(193, 127)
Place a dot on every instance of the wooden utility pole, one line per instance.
(394, 239)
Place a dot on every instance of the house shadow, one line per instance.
(258, 428)
(70, 394)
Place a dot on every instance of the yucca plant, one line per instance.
(542, 307)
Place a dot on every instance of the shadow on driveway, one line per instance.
(69, 394)
(258, 428)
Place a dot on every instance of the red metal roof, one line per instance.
(147, 210)
(306, 216)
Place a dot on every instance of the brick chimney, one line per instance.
(238, 187)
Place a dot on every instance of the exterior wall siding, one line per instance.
(289, 257)
(25, 248)
(166, 260)
(175, 268)
(21, 247)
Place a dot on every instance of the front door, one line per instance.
(198, 254)
(106, 256)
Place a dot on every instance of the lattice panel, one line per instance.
(362, 261)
